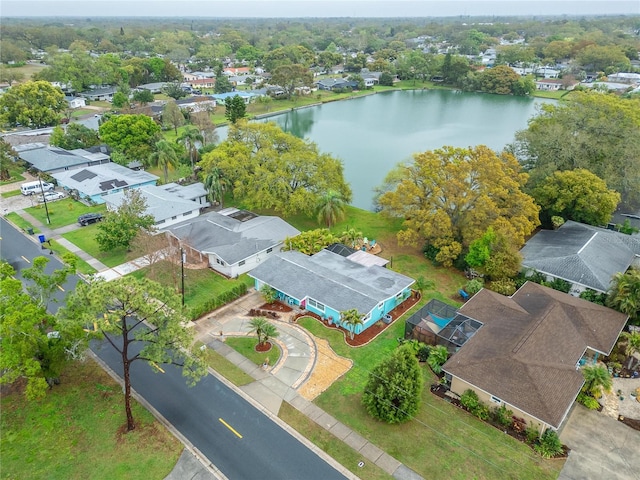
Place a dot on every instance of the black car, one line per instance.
(89, 218)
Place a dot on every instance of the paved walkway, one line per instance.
(272, 385)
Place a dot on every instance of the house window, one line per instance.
(185, 214)
(269, 250)
(399, 297)
(220, 262)
(241, 262)
(160, 222)
(317, 305)
(496, 400)
(173, 218)
(380, 305)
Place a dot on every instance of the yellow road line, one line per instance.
(25, 259)
(230, 428)
(155, 365)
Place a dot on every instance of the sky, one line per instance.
(311, 8)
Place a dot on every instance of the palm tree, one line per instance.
(331, 208)
(596, 377)
(633, 345)
(190, 138)
(263, 329)
(351, 318)
(165, 156)
(624, 294)
(350, 236)
(216, 185)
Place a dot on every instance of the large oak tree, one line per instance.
(450, 196)
(32, 104)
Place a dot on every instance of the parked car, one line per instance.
(89, 218)
(51, 196)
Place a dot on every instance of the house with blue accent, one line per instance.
(247, 97)
(328, 283)
(96, 182)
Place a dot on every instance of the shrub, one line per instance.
(588, 401)
(593, 296)
(394, 387)
(437, 358)
(423, 352)
(559, 284)
(469, 399)
(502, 415)
(482, 412)
(430, 252)
(532, 434)
(474, 286)
(557, 222)
(268, 293)
(504, 286)
(549, 445)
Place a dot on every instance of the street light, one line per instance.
(44, 199)
(183, 259)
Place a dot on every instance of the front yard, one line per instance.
(63, 212)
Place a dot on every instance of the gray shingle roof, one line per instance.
(526, 352)
(231, 239)
(581, 254)
(50, 158)
(160, 203)
(331, 279)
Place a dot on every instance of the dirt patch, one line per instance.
(329, 367)
(276, 307)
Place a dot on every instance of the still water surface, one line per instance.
(372, 134)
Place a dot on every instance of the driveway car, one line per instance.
(51, 196)
(89, 218)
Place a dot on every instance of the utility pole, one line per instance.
(44, 199)
(183, 258)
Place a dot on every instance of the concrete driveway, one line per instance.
(601, 447)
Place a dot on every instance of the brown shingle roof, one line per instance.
(526, 352)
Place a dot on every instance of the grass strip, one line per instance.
(76, 432)
(330, 444)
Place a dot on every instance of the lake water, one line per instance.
(372, 134)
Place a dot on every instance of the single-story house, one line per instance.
(234, 71)
(197, 104)
(528, 352)
(549, 84)
(583, 255)
(167, 205)
(100, 94)
(248, 97)
(155, 87)
(49, 159)
(234, 241)
(95, 182)
(335, 83)
(624, 77)
(75, 102)
(610, 86)
(328, 283)
(201, 82)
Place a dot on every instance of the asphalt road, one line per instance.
(240, 440)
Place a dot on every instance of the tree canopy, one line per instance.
(131, 135)
(74, 136)
(594, 131)
(577, 195)
(292, 76)
(624, 294)
(119, 227)
(269, 168)
(118, 308)
(32, 104)
(450, 196)
(392, 393)
(235, 108)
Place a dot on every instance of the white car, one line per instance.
(51, 196)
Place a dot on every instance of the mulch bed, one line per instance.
(374, 330)
(276, 306)
(440, 390)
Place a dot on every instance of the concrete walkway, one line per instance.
(272, 385)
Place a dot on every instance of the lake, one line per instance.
(372, 134)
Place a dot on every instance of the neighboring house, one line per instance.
(335, 83)
(152, 87)
(549, 84)
(197, 104)
(583, 255)
(234, 241)
(328, 283)
(95, 182)
(623, 77)
(100, 94)
(201, 82)
(235, 71)
(610, 86)
(547, 72)
(167, 203)
(246, 96)
(527, 353)
(52, 160)
(75, 102)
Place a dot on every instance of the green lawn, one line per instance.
(226, 368)
(85, 239)
(199, 285)
(441, 438)
(326, 441)
(20, 222)
(80, 112)
(12, 193)
(246, 346)
(63, 212)
(81, 265)
(15, 171)
(75, 433)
